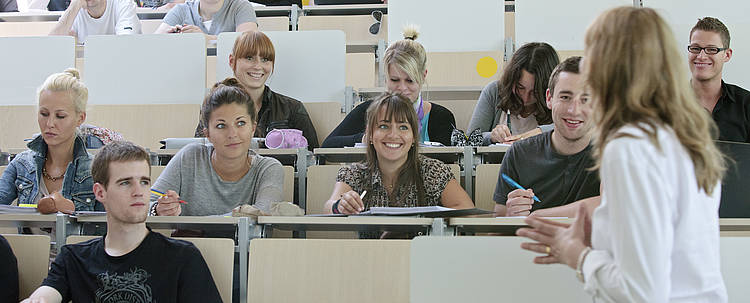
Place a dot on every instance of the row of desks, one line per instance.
(467, 158)
(248, 228)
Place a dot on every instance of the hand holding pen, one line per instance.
(351, 203)
(168, 203)
(520, 200)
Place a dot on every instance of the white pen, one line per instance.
(362, 196)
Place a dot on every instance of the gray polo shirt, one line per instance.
(231, 14)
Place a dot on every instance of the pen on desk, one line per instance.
(27, 205)
(516, 185)
(362, 196)
(161, 194)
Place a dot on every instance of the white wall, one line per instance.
(683, 14)
(562, 24)
(450, 26)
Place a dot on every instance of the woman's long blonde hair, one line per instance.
(637, 77)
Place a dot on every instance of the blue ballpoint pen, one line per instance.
(516, 185)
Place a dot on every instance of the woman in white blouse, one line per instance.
(655, 235)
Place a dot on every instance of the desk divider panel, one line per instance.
(463, 68)
(146, 124)
(146, 69)
(486, 269)
(19, 123)
(273, 23)
(486, 181)
(325, 116)
(26, 29)
(32, 255)
(309, 65)
(683, 14)
(307, 270)
(28, 61)
(735, 267)
(356, 27)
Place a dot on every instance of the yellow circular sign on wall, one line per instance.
(486, 67)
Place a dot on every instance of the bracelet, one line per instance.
(335, 207)
(579, 265)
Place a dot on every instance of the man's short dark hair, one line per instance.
(117, 151)
(711, 24)
(570, 65)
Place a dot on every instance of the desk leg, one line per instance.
(243, 240)
(469, 170)
(439, 228)
(61, 233)
(302, 160)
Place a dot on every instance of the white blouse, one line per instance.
(655, 236)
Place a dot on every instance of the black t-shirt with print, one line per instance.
(160, 270)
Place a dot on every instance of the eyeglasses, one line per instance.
(375, 27)
(710, 50)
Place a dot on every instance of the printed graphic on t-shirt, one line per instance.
(127, 287)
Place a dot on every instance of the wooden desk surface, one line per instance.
(362, 150)
(435, 93)
(27, 220)
(177, 222)
(353, 223)
(447, 154)
(491, 225)
(509, 225)
(492, 149)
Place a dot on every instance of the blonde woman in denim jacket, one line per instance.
(57, 160)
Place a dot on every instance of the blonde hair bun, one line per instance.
(411, 32)
(73, 72)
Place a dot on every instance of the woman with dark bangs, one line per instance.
(515, 107)
(252, 61)
(393, 173)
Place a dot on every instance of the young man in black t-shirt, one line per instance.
(728, 104)
(553, 166)
(130, 263)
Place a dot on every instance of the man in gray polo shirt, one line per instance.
(553, 166)
(210, 17)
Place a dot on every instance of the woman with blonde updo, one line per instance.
(57, 163)
(406, 70)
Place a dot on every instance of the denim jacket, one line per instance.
(21, 177)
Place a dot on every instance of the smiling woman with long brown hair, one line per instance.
(393, 173)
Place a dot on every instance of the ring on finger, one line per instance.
(548, 249)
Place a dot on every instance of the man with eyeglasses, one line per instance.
(728, 104)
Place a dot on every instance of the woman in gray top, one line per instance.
(215, 178)
(520, 95)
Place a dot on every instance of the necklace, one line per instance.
(51, 178)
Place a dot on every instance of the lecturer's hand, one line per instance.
(561, 242)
